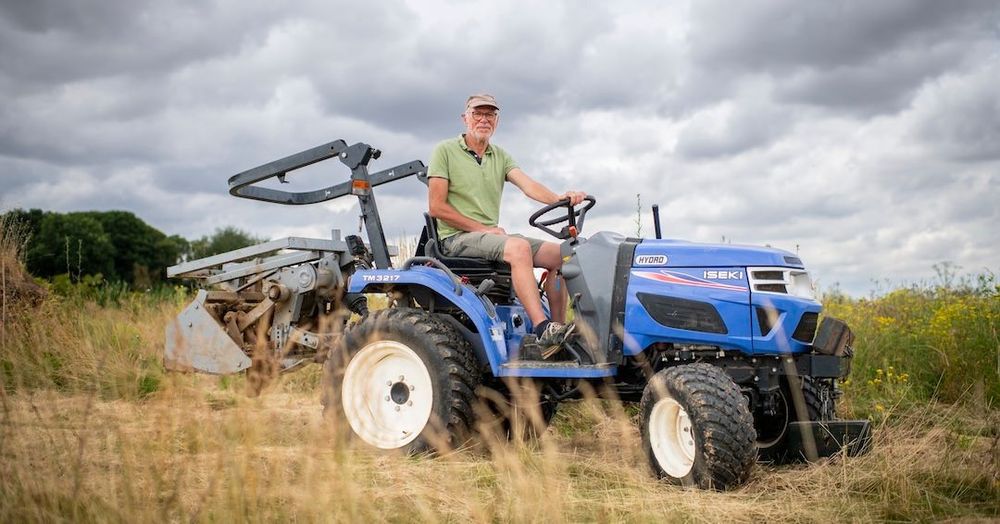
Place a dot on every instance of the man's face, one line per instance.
(481, 122)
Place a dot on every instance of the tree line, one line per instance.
(116, 245)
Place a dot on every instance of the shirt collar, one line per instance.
(461, 142)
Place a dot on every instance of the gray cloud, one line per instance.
(854, 55)
(783, 34)
(864, 135)
(732, 128)
(48, 41)
(960, 114)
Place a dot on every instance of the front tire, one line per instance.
(696, 428)
(402, 379)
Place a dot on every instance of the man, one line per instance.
(465, 181)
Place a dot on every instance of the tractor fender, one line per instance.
(490, 338)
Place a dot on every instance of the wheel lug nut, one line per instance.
(397, 408)
(413, 388)
(387, 398)
(410, 403)
(402, 378)
(388, 383)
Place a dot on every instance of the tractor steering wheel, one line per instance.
(573, 217)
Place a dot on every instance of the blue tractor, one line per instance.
(721, 346)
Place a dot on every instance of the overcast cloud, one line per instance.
(863, 135)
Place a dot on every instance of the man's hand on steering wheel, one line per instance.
(575, 197)
(572, 215)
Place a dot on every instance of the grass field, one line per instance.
(93, 430)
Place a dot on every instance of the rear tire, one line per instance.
(401, 379)
(515, 410)
(696, 428)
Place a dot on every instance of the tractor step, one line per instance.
(560, 369)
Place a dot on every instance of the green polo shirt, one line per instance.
(474, 189)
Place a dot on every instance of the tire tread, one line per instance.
(720, 416)
(456, 377)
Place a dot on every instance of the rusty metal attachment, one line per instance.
(280, 304)
(285, 307)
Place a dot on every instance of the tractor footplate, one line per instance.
(808, 441)
(558, 369)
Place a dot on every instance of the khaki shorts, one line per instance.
(483, 245)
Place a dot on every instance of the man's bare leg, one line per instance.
(555, 290)
(549, 257)
(517, 253)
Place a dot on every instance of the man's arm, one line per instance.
(538, 192)
(438, 206)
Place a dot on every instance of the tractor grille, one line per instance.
(681, 313)
(806, 329)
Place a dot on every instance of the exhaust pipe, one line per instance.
(656, 220)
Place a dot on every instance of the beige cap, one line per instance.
(482, 99)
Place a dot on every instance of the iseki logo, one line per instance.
(723, 275)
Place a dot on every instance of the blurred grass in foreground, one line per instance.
(198, 452)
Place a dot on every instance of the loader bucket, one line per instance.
(197, 342)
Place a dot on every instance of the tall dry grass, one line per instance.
(200, 451)
(92, 430)
(75, 346)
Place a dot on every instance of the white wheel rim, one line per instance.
(672, 437)
(387, 394)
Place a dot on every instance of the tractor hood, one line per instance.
(681, 253)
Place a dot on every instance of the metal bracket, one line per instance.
(187, 269)
(354, 157)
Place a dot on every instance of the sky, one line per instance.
(864, 136)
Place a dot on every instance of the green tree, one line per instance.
(170, 250)
(30, 219)
(142, 252)
(117, 245)
(223, 240)
(72, 243)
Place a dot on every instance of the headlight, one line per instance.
(795, 282)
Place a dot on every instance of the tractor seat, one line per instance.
(474, 269)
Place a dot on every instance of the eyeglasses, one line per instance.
(480, 115)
